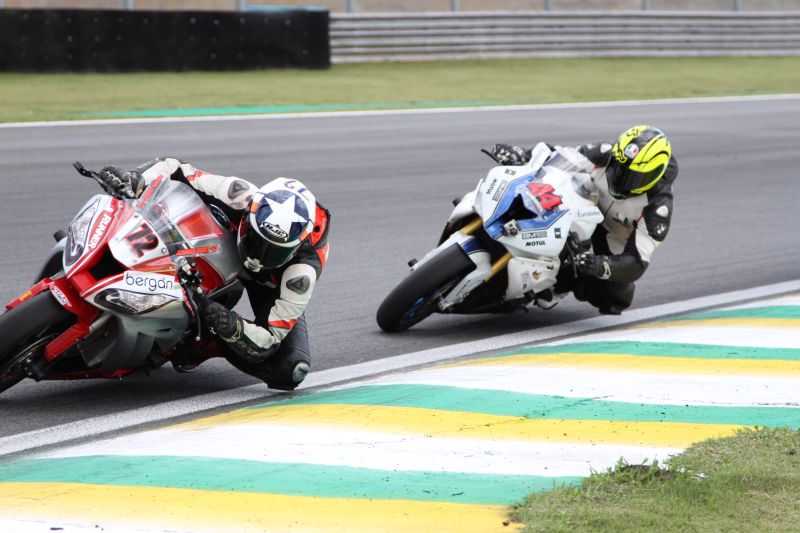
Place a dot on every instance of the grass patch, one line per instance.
(747, 482)
(33, 97)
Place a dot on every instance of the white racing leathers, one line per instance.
(633, 227)
(271, 345)
(632, 230)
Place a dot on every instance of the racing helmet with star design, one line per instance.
(278, 219)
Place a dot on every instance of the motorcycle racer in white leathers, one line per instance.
(634, 178)
(282, 239)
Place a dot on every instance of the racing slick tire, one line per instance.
(24, 333)
(416, 297)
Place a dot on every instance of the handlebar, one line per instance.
(93, 174)
(490, 154)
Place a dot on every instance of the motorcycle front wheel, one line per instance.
(24, 333)
(416, 297)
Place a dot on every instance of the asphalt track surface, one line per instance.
(389, 179)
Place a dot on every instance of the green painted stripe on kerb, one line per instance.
(535, 406)
(667, 349)
(293, 479)
(774, 311)
(245, 110)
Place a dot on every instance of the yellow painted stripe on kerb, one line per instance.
(648, 364)
(791, 323)
(451, 424)
(111, 507)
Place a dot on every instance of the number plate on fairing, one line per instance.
(136, 242)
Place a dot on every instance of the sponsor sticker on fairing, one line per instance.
(541, 234)
(491, 186)
(100, 227)
(151, 283)
(587, 212)
(60, 296)
(500, 189)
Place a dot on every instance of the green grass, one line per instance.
(32, 97)
(748, 482)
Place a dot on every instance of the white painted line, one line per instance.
(126, 419)
(789, 299)
(756, 337)
(22, 525)
(613, 386)
(330, 446)
(407, 111)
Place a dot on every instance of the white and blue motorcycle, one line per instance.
(509, 244)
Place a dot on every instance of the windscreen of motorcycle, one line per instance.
(492, 198)
(170, 219)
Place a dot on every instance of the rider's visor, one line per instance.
(253, 246)
(624, 182)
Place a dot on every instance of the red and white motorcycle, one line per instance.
(119, 290)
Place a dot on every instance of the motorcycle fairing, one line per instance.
(497, 191)
(535, 242)
(136, 242)
(526, 275)
(86, 241)
(119, 260)
(545, 236)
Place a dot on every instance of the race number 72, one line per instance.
(142, 239)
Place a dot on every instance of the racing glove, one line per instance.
(508, 154)
(230, 328)
(597, 266)
(222, 321)
(125, 183)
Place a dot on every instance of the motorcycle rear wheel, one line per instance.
(415, 298)
(24, 333)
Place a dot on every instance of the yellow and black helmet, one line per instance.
(639, 159)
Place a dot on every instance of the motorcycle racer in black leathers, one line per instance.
(282, 239)
(634, 177)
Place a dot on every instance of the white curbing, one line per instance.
(284, 443)
(92, 427)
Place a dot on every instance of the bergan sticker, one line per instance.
(152, 283)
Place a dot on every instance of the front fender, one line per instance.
(476, 252)
(468, 243)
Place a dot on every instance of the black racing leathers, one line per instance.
(267, 347)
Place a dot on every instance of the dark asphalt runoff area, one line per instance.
(389, 180)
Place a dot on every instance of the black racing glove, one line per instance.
(508, 154)
(125, 183)
(221, 321)
(229, 327)
(597, 266)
